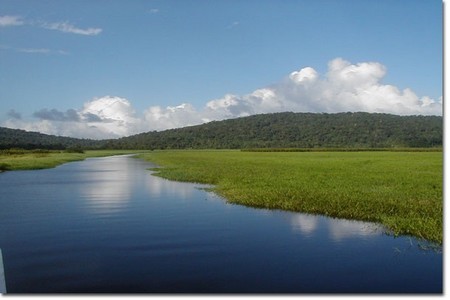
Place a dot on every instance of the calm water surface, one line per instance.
(108, 225)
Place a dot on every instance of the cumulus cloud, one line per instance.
(11, 21)
(111, 115)
(105, 117)
(345, 87)
(159, 118)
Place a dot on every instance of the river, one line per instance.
(106, 225)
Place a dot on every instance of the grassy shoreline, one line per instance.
(400, 190)
(35, 160)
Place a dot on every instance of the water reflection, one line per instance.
(108, 184)
(306, 224)
(337, 230)
(159, 187)
(108, 225)
(353, 229)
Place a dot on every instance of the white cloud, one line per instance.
(158, 118)
(33, 50)
(110, 108)
(11, 21)
(69, 28)
(42, 51)
(45, 51)
(345, 87)
(304, 75)
(60, 26)
(113, 116)
(105, 117)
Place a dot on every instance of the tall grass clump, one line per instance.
(4, 167)
(401, 190)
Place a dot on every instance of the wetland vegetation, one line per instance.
(401, 190)
(19, 159)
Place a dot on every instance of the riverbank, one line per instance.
(401, 190)
(42, 159)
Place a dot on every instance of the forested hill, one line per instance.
(278, 130)
(296, 130)
(17, 138)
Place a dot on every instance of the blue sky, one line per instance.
(103, 68)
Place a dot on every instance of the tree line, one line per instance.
(296, 130)
(28, 140)
(276, 130)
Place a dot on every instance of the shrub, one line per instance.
(74, 149)
(4, 167)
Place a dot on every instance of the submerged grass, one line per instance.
(33, 160)
(401, 190)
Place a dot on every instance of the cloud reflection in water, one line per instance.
(108, 188)
(337, 229)
(158, 186)
(111, 182)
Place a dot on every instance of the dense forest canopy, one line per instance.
(276, 130)
(17, 138)
(297, 130)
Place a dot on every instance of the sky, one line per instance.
(108, 68)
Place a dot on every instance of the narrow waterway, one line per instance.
(107, 225)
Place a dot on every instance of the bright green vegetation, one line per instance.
(43, 159)
(401, 190)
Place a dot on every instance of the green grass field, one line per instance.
(33, 160)
(401, 190)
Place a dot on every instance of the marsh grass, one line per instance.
(401, 190)
(18, 159)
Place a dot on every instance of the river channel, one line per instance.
(107, 225)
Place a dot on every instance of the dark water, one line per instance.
(108, 225)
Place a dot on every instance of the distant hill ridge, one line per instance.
(276, 130)
(18, 138)
(297, 130)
